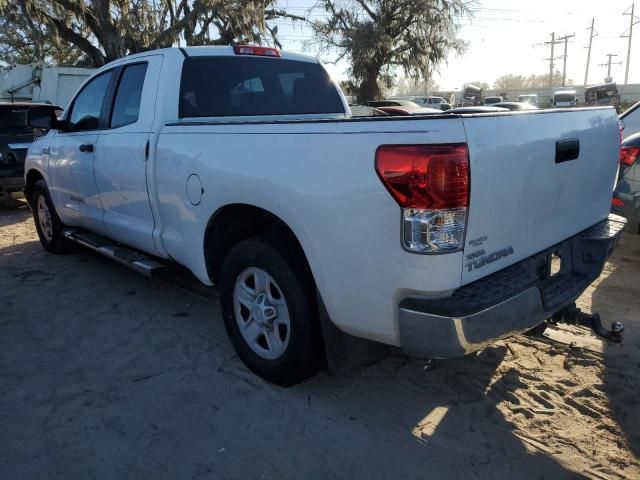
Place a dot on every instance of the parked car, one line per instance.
(243, 165)
(531, 98)
(365, 111)
(15, 138)
(478, 109)
(515, 106)
(401, 107)
(604, 94)
(564, 99)
(492, 99)
(626, 197)
(432, 102)
(471, 96)
(630, 120)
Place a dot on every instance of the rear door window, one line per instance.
(219, 86)
(126, 106)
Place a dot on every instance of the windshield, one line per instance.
(565, 97)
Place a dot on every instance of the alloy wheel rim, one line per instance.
(261, 313)
(44, 217)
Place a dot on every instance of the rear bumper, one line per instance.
(11, 184)
(507, 302)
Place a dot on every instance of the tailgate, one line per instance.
(524, 199)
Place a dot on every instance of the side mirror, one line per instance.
(43, 116)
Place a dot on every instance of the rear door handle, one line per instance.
(568, 149)
(86, 147)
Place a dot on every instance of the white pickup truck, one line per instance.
(434, 234)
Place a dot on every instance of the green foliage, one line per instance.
(521, 82)
(94, 32)
(378, 36)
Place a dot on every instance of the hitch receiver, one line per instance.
(574, 316)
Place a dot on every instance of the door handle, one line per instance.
(86, 147)
(567, 150)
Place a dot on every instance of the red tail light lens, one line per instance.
(431, 184)
(616, 202)
(260, 51)
(425, 176)
(629, 155)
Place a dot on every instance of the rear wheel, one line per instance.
(269, 309)
(48, 224)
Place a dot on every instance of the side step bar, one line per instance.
(141, 262)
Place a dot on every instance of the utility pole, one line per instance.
(564, 66)
(551, 59)
(609, 62)
(633, 20)
(593, 34)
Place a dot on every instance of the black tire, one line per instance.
(56, 243)
(277, 256)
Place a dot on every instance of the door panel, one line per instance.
(121, 160)
(122, 183)
(72, 156)
(73, 184)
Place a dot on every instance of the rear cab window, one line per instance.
(225, 86)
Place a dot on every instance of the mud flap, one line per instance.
(344, 352)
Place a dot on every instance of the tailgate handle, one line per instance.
(567, 150)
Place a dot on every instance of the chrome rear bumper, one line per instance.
(510, 301)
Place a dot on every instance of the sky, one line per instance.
(507, 37)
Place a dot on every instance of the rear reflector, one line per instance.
(431, 184)
(616, 202)
(260, 51)
(629, 155)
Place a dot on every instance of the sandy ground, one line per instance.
(105, 374)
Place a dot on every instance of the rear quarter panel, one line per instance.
(319, 178)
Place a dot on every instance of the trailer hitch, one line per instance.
(574, 316)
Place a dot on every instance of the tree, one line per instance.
(520, 82)
(378, 36)
(99, 31)
(411, 86)
(510, 82)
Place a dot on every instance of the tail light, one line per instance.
(260, 51)
(628, 156)
(616, 202)
(431, 185)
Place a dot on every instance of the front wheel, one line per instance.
(269, 310)
(48, 224)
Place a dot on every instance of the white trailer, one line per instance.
(38, 83)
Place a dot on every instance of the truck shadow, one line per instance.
(97, 357)
(617, 298)
(449, 411)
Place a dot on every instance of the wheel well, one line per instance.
(32, 177)
(234, 223)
